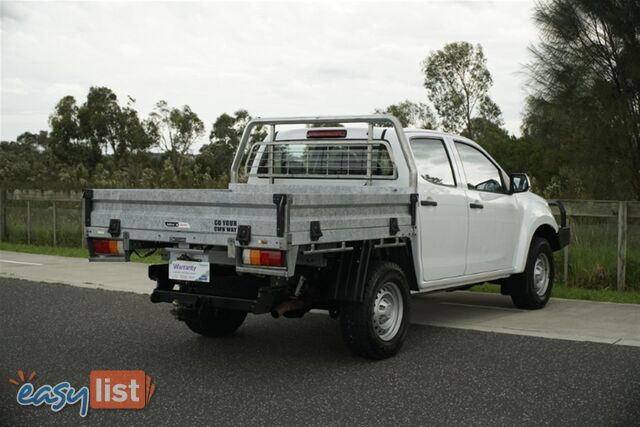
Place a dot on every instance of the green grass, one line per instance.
(561, 291)
(68, 223)
(593, 254)
(66, 251)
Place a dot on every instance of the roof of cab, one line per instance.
(361, 133)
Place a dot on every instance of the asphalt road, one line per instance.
(294, 372)
(561, 318)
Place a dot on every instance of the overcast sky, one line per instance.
(273, 59)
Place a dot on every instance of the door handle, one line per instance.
(428, 203)
(476, 205)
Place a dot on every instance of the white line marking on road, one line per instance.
(19, 262)
(481, 306)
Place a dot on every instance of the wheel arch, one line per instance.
(403, 256)
(543, 226)
(549, 234)
(353, 268)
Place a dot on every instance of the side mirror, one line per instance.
(519, 182)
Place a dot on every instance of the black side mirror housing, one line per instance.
(519, 183)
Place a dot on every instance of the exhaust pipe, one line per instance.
(182, 312)
(286, 307)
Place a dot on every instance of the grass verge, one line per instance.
(561, 291)
(70, 252)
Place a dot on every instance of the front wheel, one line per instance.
(376, 327)
(215, 322)
(532, 289)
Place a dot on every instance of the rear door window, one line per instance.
(432, 161)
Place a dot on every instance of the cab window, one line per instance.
(432, 161)
(482, 174)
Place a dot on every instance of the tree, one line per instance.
(584, 104)
(65, 130)
(175, 130)
(216, 157)
(229, 129)
(458, 82)
(98, 118)
(411, 114)
(134, 135)
(38, 141)
(224, 130)
(23, 163)
(106, 126)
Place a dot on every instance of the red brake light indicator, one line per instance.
(263, 257)
(107, 247)
(329, 133)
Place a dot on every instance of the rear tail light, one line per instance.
(107, 247)
(263, 257)
(330, 133)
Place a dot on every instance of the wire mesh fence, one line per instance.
(42, 218)
(44, 223)
(593, 260)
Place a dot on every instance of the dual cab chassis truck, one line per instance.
(351, 220)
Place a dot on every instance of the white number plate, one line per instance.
(191, 271)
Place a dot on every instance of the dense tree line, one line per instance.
(584, 108)
(102, 143)
(580, 135)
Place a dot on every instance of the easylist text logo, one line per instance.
(108, 389)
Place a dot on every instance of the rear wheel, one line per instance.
(215, 322)
(532, 288)
(376, 327)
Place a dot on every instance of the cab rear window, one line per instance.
(323, 160)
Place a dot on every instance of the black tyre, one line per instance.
(531, 289)
(376, 328)
(215, 322)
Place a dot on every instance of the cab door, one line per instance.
(493, 212)
(442, 210)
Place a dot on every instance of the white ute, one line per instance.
(351, 220)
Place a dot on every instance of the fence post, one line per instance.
(28, 222)
(3, 215)
(82, 202)
(622, 245)
(55, 223)
(565, 265)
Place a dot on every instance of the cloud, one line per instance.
(60, 90)
(11, 11)
(293, 58)
(15, 86)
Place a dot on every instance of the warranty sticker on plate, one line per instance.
(191, 271)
